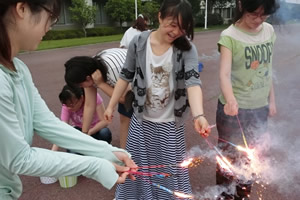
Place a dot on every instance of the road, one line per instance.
(47, 69)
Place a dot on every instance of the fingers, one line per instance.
(231, 109)
(202, 127)
(272, 112)
(129, 163)
(123, 173)
(108, 115)
(122, 177)
(126, 160)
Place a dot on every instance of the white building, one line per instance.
(225, 10)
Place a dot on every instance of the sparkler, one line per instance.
(177, 194)
(190, 162)
(249, 171)
(243, 134)
(151, 174)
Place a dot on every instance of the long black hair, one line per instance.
(180, 9)
(79, 67)
(35, 7)
(242, 6)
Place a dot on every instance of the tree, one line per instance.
(82, 13)
(150, 9)
(212, 3)
(121, 10)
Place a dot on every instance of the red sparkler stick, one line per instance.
(157, 174)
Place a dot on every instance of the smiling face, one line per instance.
(170, 28)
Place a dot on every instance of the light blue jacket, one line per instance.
(23, 112)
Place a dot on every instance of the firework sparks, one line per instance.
(182, 195)
(250, 152)
(223, 164)
(178, 194)
(190, 162)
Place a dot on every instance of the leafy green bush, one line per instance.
(212, 19)
(78, 33)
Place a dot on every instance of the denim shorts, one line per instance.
(122, 110)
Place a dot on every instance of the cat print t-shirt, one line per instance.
(159, 105)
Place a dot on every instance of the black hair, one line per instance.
(242, 6)
(35, 7)
(180, 9)
(79, 67)
(141, 23)
(68, 92)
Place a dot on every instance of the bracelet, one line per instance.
(196, 117)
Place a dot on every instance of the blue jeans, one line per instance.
(103, 134)
(254, 124)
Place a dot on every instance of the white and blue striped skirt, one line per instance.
(152, 143)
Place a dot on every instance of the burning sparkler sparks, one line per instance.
(190, 162)
(178, 194)
(250, 152)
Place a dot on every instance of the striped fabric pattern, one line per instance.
(114, 59)
(153, 143)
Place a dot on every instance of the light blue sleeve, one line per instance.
(17, 157)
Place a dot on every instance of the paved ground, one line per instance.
(48, 70)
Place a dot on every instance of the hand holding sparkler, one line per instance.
(201, 125)
(231, 107)
(123, 170)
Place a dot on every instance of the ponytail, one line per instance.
(5, 48)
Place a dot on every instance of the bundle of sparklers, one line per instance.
(222, 161)
(191, 162)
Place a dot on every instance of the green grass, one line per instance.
(54, 44)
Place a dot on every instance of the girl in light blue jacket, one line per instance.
(23, 23)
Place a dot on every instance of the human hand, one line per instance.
(272, 109)
(201, 126)
(231, 108)
(129, 166)
(97, 77)
(108, 114)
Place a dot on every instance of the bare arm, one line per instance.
(89, 107)
(231, 106)
(102, 123)
(118, 92)
(196, 102)
(106, 88)
(272, 103)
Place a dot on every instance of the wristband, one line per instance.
(197, 116)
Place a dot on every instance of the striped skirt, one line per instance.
(153, 143)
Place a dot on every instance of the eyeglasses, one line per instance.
(53, 17)
(255, 15)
